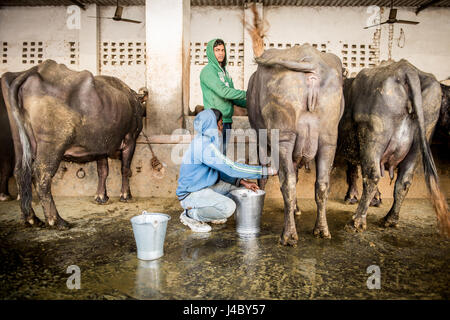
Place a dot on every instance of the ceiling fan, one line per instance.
(118, 15)
(393, 18)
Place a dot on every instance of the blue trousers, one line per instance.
(212, 203)
(225, 137)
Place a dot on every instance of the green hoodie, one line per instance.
(218, 88)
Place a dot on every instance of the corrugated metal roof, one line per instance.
(334, 3)
(68, 2)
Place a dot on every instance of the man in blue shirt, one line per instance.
(207, 176)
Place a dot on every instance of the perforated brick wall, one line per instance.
(4, 52)
(32, 52)
(122, 53)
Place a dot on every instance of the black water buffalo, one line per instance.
(390, 114)
(6, 153)
(59, 114)
(344, 150)
(442, 133)
(298, 91)
(441, 136)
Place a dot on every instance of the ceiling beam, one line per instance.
(78, 3)
(426, 5)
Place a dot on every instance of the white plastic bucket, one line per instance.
(150, 232)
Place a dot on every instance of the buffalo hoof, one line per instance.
(34, 222)
(356, 225)
(352, 200)
(60, 224)
(322, 233)
(101, 199)
(289, 239)
(5, 197)
(125, 197)
(389, 222)
(375, 202)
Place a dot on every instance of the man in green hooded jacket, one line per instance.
(218, 88)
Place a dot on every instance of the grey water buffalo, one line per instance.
(298, 91)
(442, 133)
(441, 136)
(345, 153)
(390, 113)
(6, 152)
(59, 114)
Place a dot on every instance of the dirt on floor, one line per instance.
(413, 259)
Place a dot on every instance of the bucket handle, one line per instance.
(147, 219)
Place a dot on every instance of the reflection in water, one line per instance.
(193, 245)
(249, 245)
(148, 279)
(199, 236)
(307, 268)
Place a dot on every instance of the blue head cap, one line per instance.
(205, 124)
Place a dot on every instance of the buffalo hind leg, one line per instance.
(324, 162)
(101, 196)
(351, 196)
(371, 176)
(405, 175)
(5, 173)
(376, 200)
(24, 181)
(45, 167)
(352, 178)
(127, 156)
(286, 175)
(297, 207)
(262, 182)
(262, 153)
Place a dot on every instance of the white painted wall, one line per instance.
(339, 30)
(165, 32)
(49, 26)
(427, 45)
(128, 40)
(37, 24)
(335, 30)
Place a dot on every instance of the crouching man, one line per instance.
(207, 176)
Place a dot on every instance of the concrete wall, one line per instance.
(44, 31)
(128, 60)
(335, 30)
(426, 45)
(146, 182)
(330, 29)
(31, 35)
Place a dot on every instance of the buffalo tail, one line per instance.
(431, 177)
(23, 166)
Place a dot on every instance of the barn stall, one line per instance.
(165, 53)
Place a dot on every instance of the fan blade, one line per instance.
(407, 22)
(99, 17)
(129, 20)
(375, 25)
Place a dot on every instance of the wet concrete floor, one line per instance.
(413, 259)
